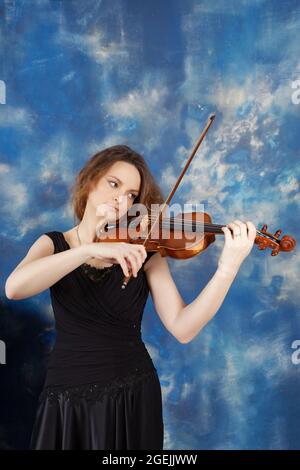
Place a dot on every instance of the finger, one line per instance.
(134, 259)
(243, 228)
(133, 262)
(121, 260)
(126, 256)
(235, 229)
(239, 230)
(142, 254)
(251, 230)
(227, 234)
(141, 250)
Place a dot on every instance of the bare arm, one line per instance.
(186, 321)
(40, 268)
(194, 316)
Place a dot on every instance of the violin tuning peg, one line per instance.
(277, 233)
(264, 228)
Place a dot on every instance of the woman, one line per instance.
(102, 390)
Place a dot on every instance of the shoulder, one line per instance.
(69, 236)
(44, 243)
(149, 260)
(42, 246)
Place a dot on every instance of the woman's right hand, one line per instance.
(128, 255)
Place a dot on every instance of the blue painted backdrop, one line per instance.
(81, 76)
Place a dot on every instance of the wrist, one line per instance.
(227, 271)
(85, 251)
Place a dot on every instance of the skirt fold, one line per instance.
(130, 419)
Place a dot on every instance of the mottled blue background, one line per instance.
(81, 76)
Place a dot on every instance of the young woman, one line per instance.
(102, 390)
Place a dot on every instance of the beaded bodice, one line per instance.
(95, 392)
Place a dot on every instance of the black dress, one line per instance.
(102, 390)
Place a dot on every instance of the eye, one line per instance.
(131, 195)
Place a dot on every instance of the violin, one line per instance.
(185, 235)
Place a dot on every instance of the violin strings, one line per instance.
(189, 223)
(175, 223)
(193, 225)
(216, 228)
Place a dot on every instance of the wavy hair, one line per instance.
(98, 165)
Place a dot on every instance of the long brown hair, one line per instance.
(99, 164)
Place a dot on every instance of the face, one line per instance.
(117, 189)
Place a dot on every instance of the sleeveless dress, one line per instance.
(102, 390)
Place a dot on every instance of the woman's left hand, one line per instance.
(238, 244)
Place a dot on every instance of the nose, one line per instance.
(119, 198)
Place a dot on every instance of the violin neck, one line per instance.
(193, 226)
(203, 227)
(189, 225)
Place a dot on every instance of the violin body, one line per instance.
(180, 237)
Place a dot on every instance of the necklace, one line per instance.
(93, 273)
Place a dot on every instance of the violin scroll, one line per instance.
(265, 239)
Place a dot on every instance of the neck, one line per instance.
(87, 227)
